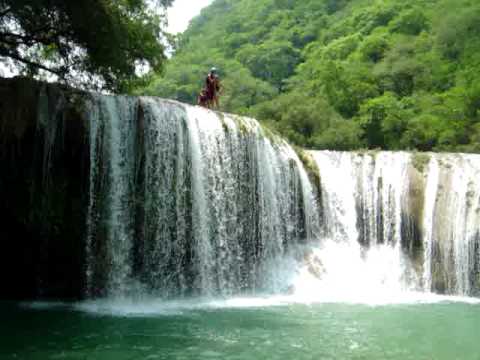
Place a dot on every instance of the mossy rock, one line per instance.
(272, 135)
(239, 121)
(310, 166)
(420, 161)
(369, 152)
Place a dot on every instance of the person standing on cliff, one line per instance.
(213, 88)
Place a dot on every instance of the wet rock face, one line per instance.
(43, 189)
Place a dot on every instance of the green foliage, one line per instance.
(340, 135)
(270, 61)
(296, 117)
(384, 120)
(374, 48)
(86, 42)
(423, 132)
(410, 22)
(386, 74)
(457, 28)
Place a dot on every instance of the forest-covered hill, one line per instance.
(340, 74)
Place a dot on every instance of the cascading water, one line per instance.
(187, 201)
(452, 224)
(362, 199)
(395, 222)
(110, 210)
(181, 201)
(428, 220)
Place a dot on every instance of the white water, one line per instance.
(376, 199)
(455, 225)
(349, 274)
(185, 201)
(428, 220)
(362, 203)
(154, 307)
(163, 194)
(112, 133)
(339, 184)
(120, 134)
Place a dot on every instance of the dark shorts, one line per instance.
(210, 95)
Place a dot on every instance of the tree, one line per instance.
(342, 135)
(298, 117)
(384, 120)
(410, 22)
(242, 91)
(400, 70)
(374, 48)
(99, 42)
(271, 61)
(347, 86)
(424, 131)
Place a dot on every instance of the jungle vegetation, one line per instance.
(340, 74)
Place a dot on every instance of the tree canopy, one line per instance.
(86, 42)
(331, 74)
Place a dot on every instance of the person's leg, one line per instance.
(209, 100)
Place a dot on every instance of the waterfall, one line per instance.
(452, 224)
(363, 199)
(337, 179)
(421, 211)
(112, 166)
(139, 195)
(428, 220)
(188, 201)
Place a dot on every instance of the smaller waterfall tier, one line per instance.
(424, 206)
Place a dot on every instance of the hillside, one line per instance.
(340, 74)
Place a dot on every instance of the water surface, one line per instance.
(240, 329)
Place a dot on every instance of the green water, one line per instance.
(161, 331)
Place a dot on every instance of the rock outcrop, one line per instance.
(44, 171)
